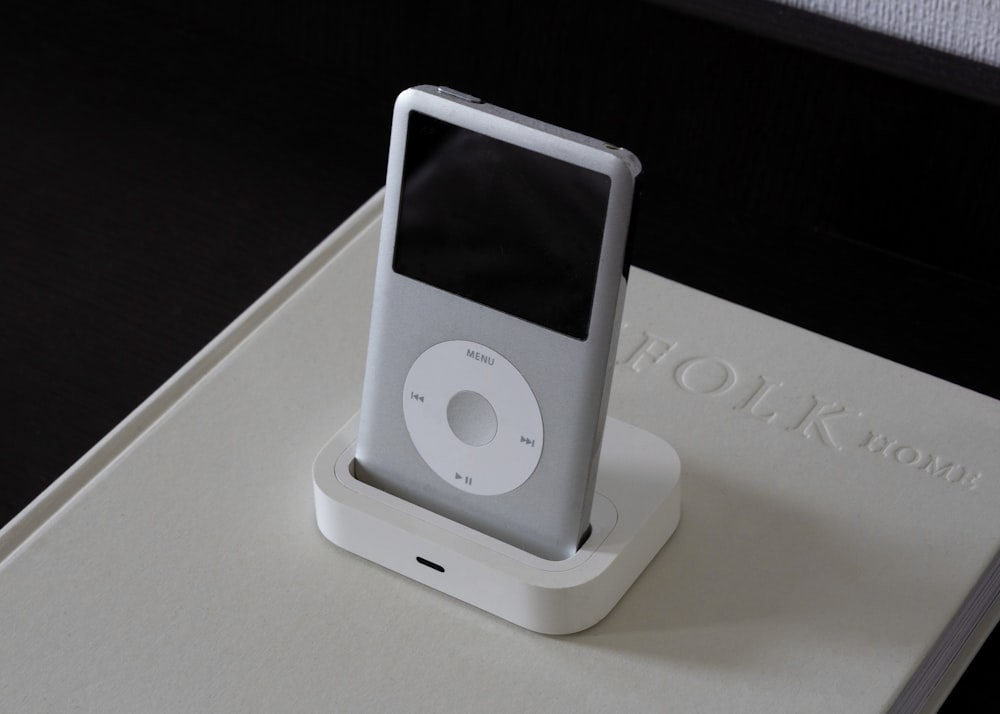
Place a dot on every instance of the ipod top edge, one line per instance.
(474, 113)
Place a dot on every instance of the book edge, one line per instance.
(17, 532)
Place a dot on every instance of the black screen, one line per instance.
(499, 224)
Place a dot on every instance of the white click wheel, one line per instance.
(472, 417)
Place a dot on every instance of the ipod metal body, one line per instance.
(498, 294)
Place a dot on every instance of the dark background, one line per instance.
(163, 163)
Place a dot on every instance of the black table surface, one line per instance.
(162, 164)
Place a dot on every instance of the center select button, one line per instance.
(472, 418)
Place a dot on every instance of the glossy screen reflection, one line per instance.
(504, 226)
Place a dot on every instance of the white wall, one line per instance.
(968, 28)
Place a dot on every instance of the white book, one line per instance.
(837, 549)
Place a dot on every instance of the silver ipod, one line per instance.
(498, 293)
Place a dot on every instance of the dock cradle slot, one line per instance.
(636, 510)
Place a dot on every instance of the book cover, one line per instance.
(838, 512)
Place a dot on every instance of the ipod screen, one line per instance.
(507, 227)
